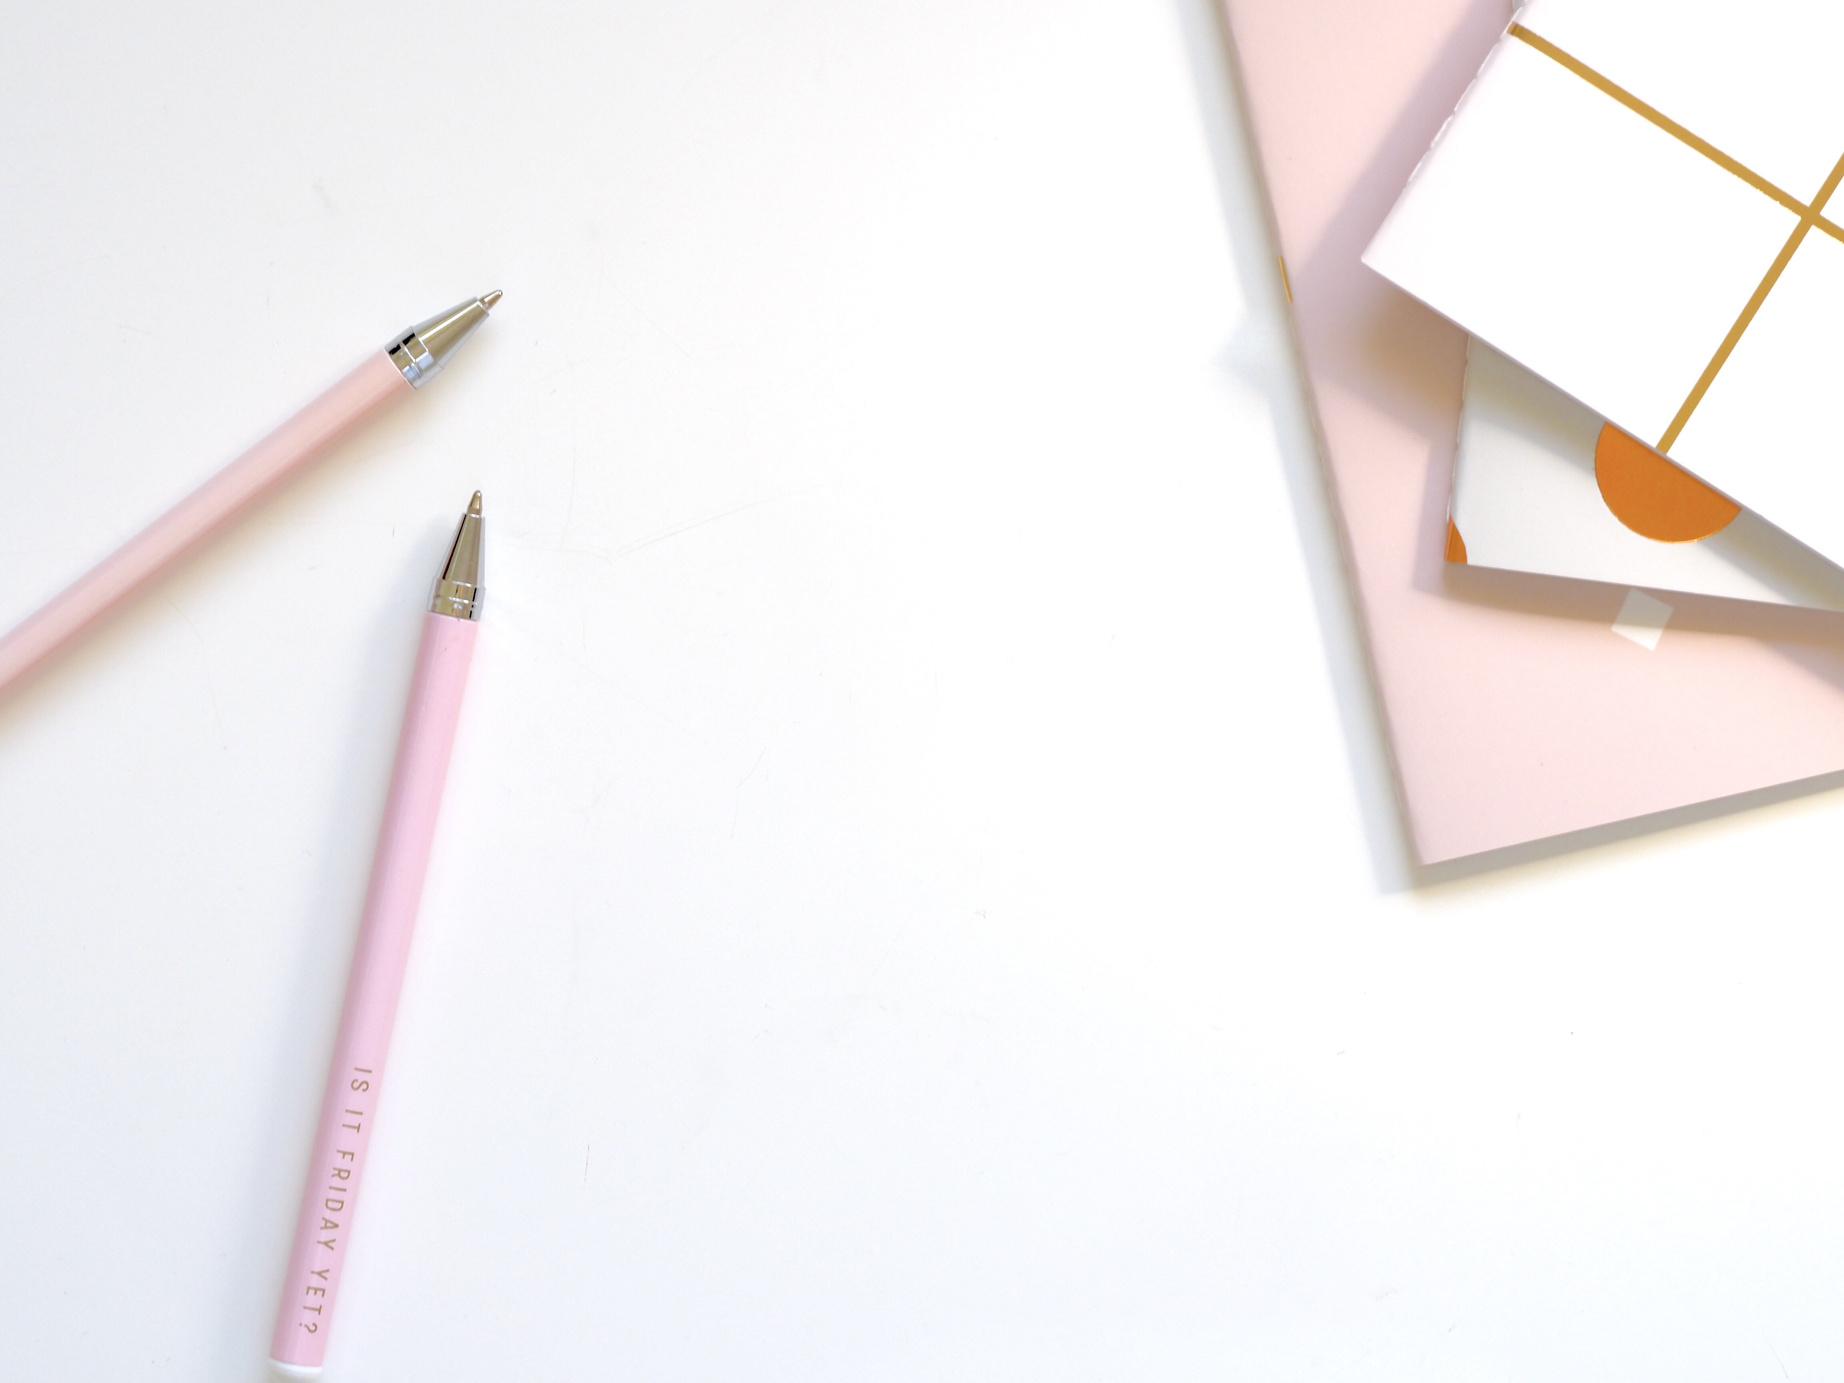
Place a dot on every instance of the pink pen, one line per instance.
(407, 363)
(397, 870)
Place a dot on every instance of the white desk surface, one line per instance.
(918, 896)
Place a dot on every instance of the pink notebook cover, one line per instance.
(1513, 710)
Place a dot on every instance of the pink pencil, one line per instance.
(397, 870)
(407, 363)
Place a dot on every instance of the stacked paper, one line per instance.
(1542, 484)
(1513, 708)
(1631, 202)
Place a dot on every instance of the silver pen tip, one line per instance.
(457, 589)
(422, 351)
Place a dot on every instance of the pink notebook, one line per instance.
(1514, 711)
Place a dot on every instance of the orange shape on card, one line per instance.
(1651, 496)
(1456, 545)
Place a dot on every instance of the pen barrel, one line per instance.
(201, 513)
(383, 951)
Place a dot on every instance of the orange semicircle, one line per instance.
(1456, 545)
(1651, 496)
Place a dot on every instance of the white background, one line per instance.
(919, 895)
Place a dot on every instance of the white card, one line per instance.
(1528, 495)
(1627, 202)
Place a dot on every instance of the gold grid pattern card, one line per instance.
(1635, 200)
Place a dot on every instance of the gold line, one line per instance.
(1676, 131)
(1809, 216)
(1721, 357)
(1729, 342)
(1286, 283)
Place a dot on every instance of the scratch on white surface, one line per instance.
(1777, 1359)
(647, 542)
(640, 312)
(1642, 619)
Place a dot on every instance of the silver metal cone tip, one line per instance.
(487, 300)
(457, 589)
(424, 349)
